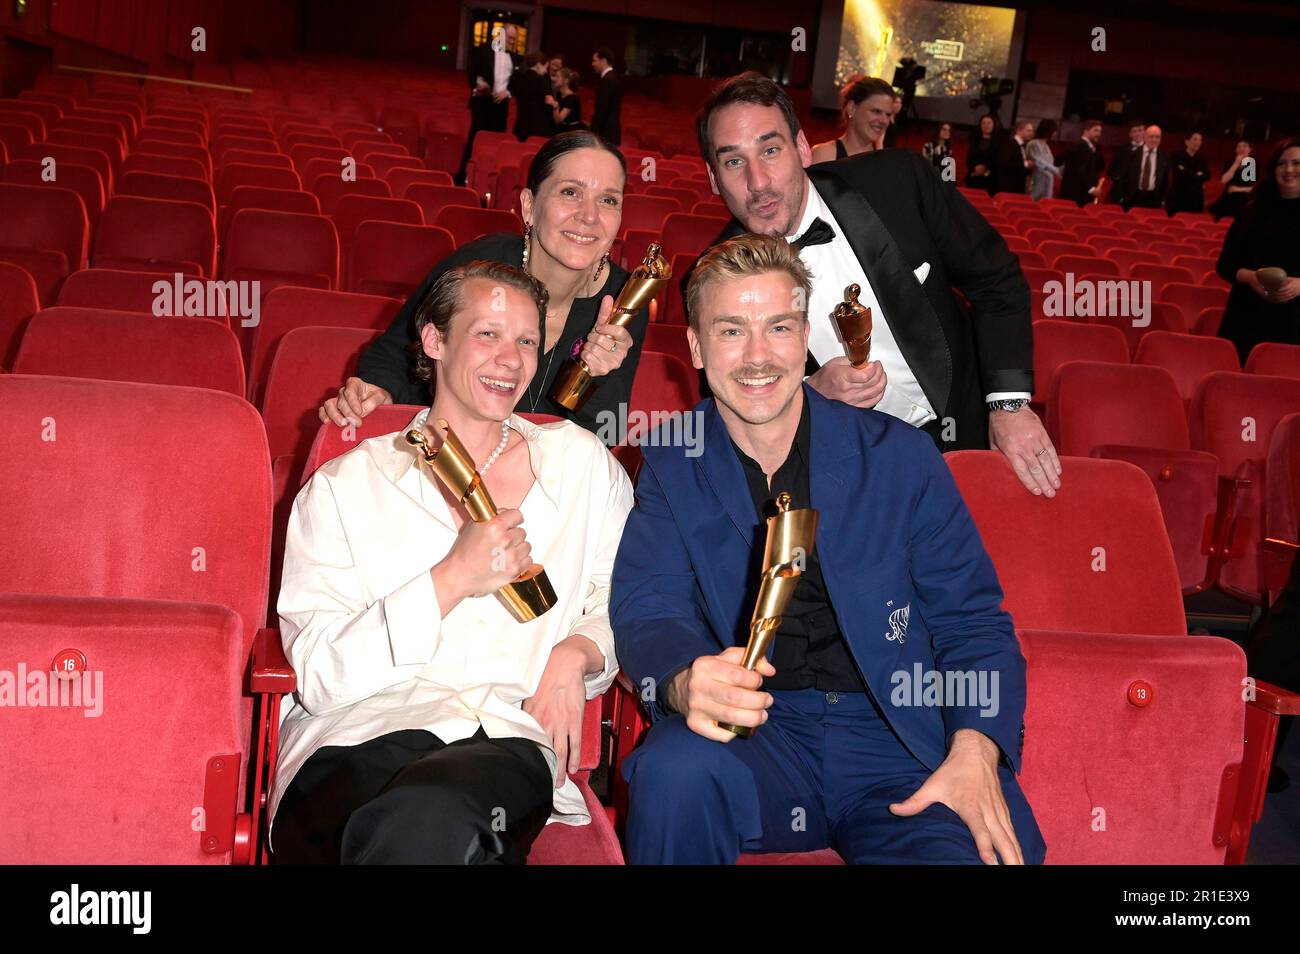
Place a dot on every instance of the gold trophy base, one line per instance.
(529, 595)
(761, 635)
(573, 385)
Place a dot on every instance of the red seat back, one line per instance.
(390, 258)
(156, 235)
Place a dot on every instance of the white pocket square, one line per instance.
(922, 272)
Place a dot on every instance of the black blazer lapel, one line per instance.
(908, 309)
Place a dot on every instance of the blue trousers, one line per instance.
(821, 772)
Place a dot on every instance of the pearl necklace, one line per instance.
(492, 459)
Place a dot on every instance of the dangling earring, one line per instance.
(528, 237)
(603, 264)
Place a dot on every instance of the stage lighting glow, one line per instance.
(957, 43)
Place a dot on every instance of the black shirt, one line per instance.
(810, 651)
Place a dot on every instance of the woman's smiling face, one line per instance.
(578, 208)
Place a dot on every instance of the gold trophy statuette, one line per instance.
(573, 382)
(854, 323)
(790, 536)
(1272, 278)
(528, 595)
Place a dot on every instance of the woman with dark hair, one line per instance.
(940, 148)
(572, 207)
(1265, 235)
(566, 108)
(1236, 185)
(982, 155)
(866, 104)
(1045, 172)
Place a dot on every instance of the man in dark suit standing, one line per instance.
(529, 88)
(1013, 162)
(1083, 166)
(884, 221)
(492, 66)
(1188, 174)
(606, 121)
(1122, 170)
(1152, 173)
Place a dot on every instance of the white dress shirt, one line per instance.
(360, 621)
(502, 67)
(834, 267)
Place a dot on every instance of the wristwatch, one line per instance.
(1012, 405)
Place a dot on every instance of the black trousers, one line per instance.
(486, 115)
(409, 798)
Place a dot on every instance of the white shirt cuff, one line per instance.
(1007, 396)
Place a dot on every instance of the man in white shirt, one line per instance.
(492, 68)
(429, 726)
(884, 221)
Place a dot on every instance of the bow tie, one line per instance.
(819, 233)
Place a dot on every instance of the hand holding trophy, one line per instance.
(790, 537)
(529, 595)
(574, 382)
(853, 320)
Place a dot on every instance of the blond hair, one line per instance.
(742, 256)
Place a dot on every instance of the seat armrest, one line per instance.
(271, 670)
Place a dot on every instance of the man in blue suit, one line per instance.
(889, 708)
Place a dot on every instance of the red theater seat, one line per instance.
(1188, 358)
(131, 346)
(120, 290)
(156, 235)
(1161, 316)
(178, 189)
(287, 308)
(281, 248)
(1134, 413)
(83, 180)
(70, 155)
(1192, 300)
(45, 232)
(330, 188)
(1160, 276)
(148, 161)
(400, 177)
(163, 680)
(18, 302)
(1274, 358)
(390, 258)
(1056, 342)
(234, 175)
(351, 210)
(468, 224)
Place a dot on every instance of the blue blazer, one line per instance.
(907, 574)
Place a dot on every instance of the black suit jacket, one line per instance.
(1009, 172)
(898, 214)
(1082, 168)
(482, 62)
(606, 120)
(532, 116)
(1122, 173)
(1162, 173)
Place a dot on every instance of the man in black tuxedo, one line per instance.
(1150, 173)
(1083, 166)
(1188, 174)
(1122, 170)
(606, 121)
(492, 66)
(529, 88)
(884, 221)
(1013, 163)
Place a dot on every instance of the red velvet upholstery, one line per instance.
(18, 302)
(330, 187)
(269, 156)
(69, 155)
(281, 248)
(663, 383)
(121, 787)
(83, 180)
(119, 290)
(468, 224)
(646, 212)
(287, 308)
(177, 188)
(686, 234)
(1187, 357)
(131, 346)
(1271, 357)
(45, 232)
(1056, 342)
(230, 177)
(1049, 553)
(669, 339)
(1282, 503)
(1192, 299)
(1162, 316)
(399, 178)
(156, 235)
(1233, 417)
(134, 490)
(159, 158)
(391, 258)
(1115, 783)
(1161, 275)
(433, 198)
(1134, 413)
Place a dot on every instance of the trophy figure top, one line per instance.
(783, 501)
(654, 265)
(850, 307)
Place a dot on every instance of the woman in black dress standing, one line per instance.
(1265, 234)
(566, 108)
(572, 209)
(982, 155)
(1236, 188)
